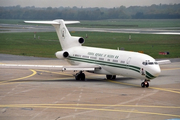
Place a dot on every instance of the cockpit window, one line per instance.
(149, 63)
(144, 63)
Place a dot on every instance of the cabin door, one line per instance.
(127, 64)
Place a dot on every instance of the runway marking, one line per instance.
(133, 108)
(69, 94)
(34, 73)
(36, 80)
(79, 98)
(97, 105)
(121, 103)
(122, 83)
(54, 72)
(173, 89)
(6, 82)
(162, 89)
(80, 108)
(61, 73)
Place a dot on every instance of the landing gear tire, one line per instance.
(80, 76)
(145, 84)
(111, 77)
(142, 84)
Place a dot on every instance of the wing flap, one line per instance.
(81, 68)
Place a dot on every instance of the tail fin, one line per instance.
(65, 38)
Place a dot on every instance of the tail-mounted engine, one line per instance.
(77, 40)
(81, 40)
(62, 54)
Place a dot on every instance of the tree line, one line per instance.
(161, 11)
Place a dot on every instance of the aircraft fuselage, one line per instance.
(115, 62)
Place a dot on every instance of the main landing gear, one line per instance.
(80, 76)
(145, 83)
(111, 77)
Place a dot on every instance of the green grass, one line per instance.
(11, 21)
(48, 44)
(119, 23)
(131, 23)
(25, 44)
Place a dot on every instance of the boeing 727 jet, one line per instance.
(99, 60)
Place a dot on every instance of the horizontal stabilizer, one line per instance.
(42, 22)
(54, 22)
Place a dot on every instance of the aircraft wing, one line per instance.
(161, 62)
(57, 67)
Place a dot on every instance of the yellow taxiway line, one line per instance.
(56, 106)
(98, 105)
(162, 89)
(34, 73)
(54, 72)
(21, 78)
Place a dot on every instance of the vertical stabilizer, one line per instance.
(65, 38)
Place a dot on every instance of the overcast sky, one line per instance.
(84, 3)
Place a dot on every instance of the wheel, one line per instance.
(82, 76)
(114, 77)
(77, 77)
(109, 77)
(147, 84)
(143, 84)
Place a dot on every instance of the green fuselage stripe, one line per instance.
(111, 64)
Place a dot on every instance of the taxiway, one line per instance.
(54, 95)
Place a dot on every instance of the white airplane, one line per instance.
(100, 60)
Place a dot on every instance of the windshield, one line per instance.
(149, 63)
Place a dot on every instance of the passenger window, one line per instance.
(115, 60)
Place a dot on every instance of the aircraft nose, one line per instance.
(157, 71)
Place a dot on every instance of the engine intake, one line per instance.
(81, 40)
(62, 54)
(65, 54)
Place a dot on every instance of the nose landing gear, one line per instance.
(145, 83)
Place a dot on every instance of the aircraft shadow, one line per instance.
(73, 80)
(60, 80)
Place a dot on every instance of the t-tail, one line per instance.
(65, 38)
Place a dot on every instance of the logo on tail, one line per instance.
(63, 32)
